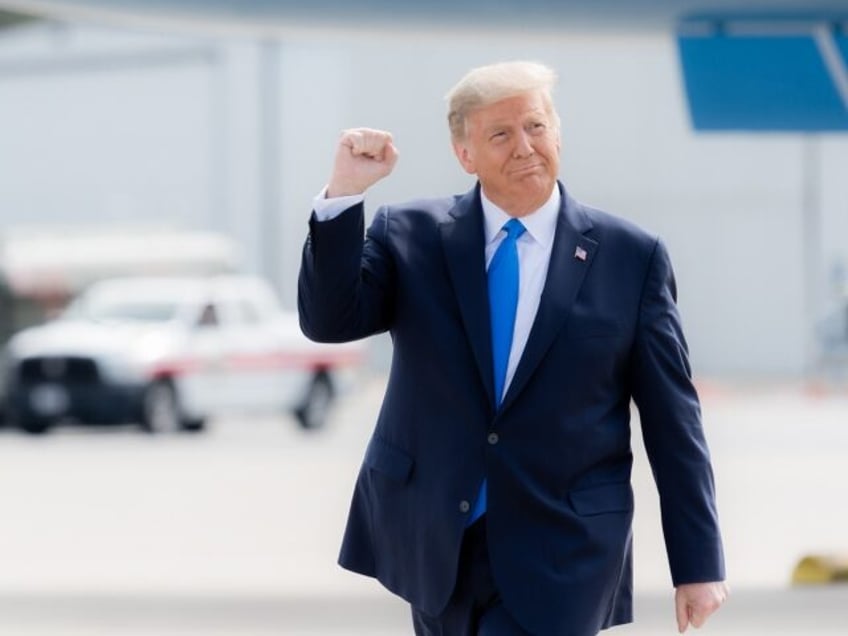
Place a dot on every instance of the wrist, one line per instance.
(342, 189)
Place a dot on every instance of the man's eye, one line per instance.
(537, 126)
(498, 136)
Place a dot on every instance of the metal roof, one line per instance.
(269, 14)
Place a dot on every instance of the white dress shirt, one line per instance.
(534, 255)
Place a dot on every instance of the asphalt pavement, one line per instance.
(235, 531)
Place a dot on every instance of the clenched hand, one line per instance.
(363, 157)
(695, 602)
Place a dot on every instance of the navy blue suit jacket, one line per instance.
(560, 503)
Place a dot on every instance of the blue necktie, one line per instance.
(503, 300)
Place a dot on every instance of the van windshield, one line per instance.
(113, 310)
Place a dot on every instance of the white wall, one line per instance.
(185, 142)
(729, 206)
(106, 142)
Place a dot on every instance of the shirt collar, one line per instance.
(540, 224)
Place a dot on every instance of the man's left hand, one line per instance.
(695, 602)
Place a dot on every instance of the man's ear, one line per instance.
(465, 157)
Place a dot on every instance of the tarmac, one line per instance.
(235, 531)
(819, 612)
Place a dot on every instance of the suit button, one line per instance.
(493, 438)
(464, 506)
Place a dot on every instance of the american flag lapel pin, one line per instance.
(580, 254)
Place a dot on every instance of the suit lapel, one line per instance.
(571, 257)
(463, 240)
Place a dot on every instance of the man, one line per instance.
(495, 491)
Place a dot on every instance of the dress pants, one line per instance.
(475, 607)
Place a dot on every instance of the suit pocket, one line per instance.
(602, 499)
(388, 460)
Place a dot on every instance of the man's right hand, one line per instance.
(363, 157)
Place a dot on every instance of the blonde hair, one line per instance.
(486, 85)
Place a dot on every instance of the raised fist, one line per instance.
(363, 157)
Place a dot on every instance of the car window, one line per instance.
(106, 310)
(237, 312)
(248, 313)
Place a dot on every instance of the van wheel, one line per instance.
(193, 425)
(314, 411)
(160, 411)
(35, 425)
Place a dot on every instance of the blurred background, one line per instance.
(157, 164)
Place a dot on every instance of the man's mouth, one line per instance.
(526, 169)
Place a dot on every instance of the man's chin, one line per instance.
(535, 184)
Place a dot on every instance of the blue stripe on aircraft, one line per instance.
(765, 74)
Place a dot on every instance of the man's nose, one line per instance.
(523, 145)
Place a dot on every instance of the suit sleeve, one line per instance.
(671, 427)
(346, 286)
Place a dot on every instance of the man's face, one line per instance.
(513, 147)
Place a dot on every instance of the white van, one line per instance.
(169, 353)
